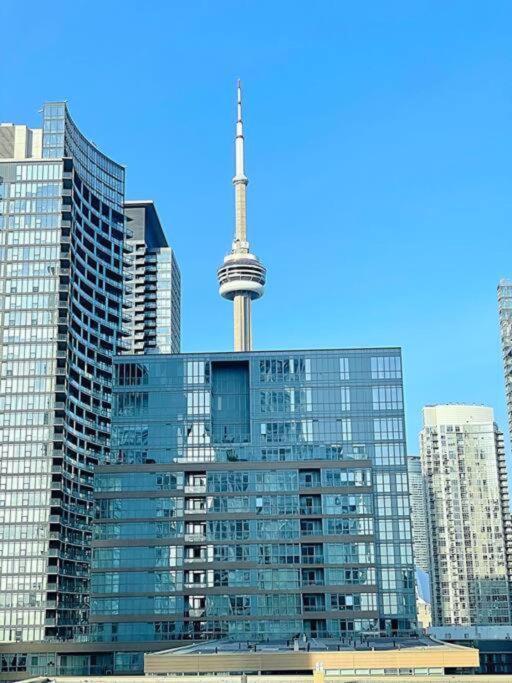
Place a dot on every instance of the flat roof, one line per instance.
(338, 658)
(357, 678)
(355, 644)
(255, 352)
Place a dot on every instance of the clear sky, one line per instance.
(379, 155)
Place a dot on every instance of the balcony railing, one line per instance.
(310, 509)
(196, 611)
(195, 488)
(195, 538)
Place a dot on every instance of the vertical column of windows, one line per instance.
(392, 509)
(29, 266)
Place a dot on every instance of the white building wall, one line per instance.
(460, 449)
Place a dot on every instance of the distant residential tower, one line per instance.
(155, 292)
(463, 461)
(418, 513)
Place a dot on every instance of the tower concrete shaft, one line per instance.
(242, 324)
(242, 276)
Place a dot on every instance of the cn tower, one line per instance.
(242, 275)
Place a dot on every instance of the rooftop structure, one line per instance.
(494, 644)
(407, 657)
(423, 660)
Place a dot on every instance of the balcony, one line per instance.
(195, 488)
(310, 509)
(313, 582)
(311, 532)
(310, 559)
(314, 608)
(196, 612)
(195, 538)
(191, 560)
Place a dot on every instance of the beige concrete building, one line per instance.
(301, 661)
(373, 658)
(424, 610)
(317, 677)
(20, 142)
(463, 462)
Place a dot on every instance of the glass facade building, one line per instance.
(251, 496)
(505, 316)
(62, 239)
(155, 291)
(67, 293)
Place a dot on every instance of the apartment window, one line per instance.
(345, 398)
(344, 369)
(387, 398)
(346, 429)
(386, 367)
(388, 429)
(197, 372)
(132, 373)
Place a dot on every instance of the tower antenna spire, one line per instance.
(240, 177)
(242, 276)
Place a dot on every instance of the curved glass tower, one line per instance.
(63, 251)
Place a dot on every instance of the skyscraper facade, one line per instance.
(418, 513)
(71, 297)
(463, 461)
(249, 495)
(253, 496)
(505, 316)
(61, 305)
(155, 291)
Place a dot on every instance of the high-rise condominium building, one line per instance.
(61, 307)
(418, 513)
(463, 461)
(249, 495)
(65, 264)
(156, 284)
(505, 315)
(252, 496)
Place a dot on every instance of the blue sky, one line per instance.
(378, 150)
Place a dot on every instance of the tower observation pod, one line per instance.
(241, 276)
